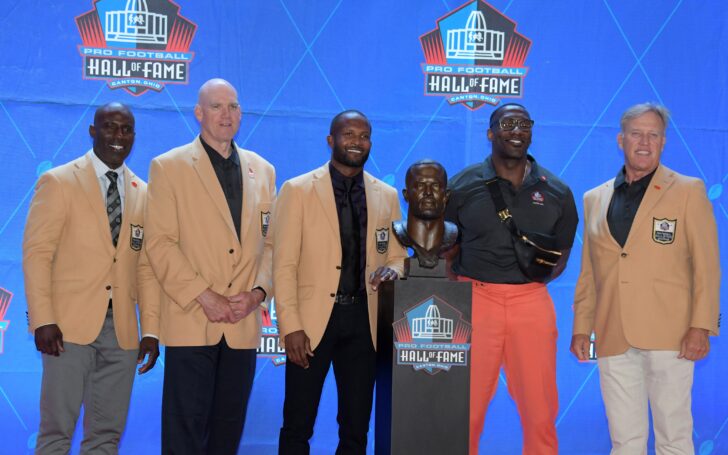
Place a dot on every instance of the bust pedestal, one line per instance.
(423, 364)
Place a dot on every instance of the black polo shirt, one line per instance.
(230, 178)
(544, 204)
(359, 198)
(624, 204)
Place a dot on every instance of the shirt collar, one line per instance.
(534, 174)
(620, 179)
(100, 168)
(216, 158)
(338, 178)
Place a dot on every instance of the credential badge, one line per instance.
(663, 231)
(137, 237)
(537, 198)
(264, 223)
(382, 236)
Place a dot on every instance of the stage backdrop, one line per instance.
(426, 72)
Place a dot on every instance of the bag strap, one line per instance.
(501, 209)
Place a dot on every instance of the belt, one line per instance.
(350, 299)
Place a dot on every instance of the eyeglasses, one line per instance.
(510, 124)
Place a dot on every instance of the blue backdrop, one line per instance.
(298, 62)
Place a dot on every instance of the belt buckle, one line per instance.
(346, 299)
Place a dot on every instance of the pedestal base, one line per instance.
(423, 365)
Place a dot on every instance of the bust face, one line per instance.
(426, 192)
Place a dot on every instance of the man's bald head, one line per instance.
(114, 106)
(204, 92)
(218, 112)
(342, 117)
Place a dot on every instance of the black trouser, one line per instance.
(205, 397)
(347, 343)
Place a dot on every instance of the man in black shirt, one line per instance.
(648, 288)
(332, 248)
(514, 324)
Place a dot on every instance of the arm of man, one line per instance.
(585, 301)
(287, 238)
(264, 278)
(176, 275)
(565, 231)
(46, 218)
(560, 264)
(701, 232)
(149, 296)
(396, 253)
(248, 301)
(451, 215)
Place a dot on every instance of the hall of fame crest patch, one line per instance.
(663, 230)
(137, 237)
(264, 223)
(382, 237)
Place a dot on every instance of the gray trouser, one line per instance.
(100, 376)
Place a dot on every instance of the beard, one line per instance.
(348, 159)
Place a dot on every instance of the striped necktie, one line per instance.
(113, 206)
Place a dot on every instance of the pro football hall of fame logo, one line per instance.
(136, 44)
(432, 336)
(474, 56)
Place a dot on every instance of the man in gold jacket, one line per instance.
(85, 272)
(333, 247)
(208, 241)
(648, 289)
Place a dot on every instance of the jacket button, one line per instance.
(230, 285)
(338, 267)
(108, 287)
(114, 260)
(624, 255)
(231, 251)
(332, 294)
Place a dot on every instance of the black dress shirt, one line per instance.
(230, 178)
(543, 204)
(359, 199)
(624, 205)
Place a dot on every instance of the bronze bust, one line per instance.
(425, 229)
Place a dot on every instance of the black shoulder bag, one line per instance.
(535, 253)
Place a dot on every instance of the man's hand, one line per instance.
(49, 339)
(580, 347)
(695, 344)
(149, 346)
(381, 274)
(298, 348)
(216, 307)
(245, 303)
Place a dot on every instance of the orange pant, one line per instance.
(515, 326)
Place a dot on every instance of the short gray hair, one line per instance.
(643, 108)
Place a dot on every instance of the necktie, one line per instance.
(113, 206)
(350, 243)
